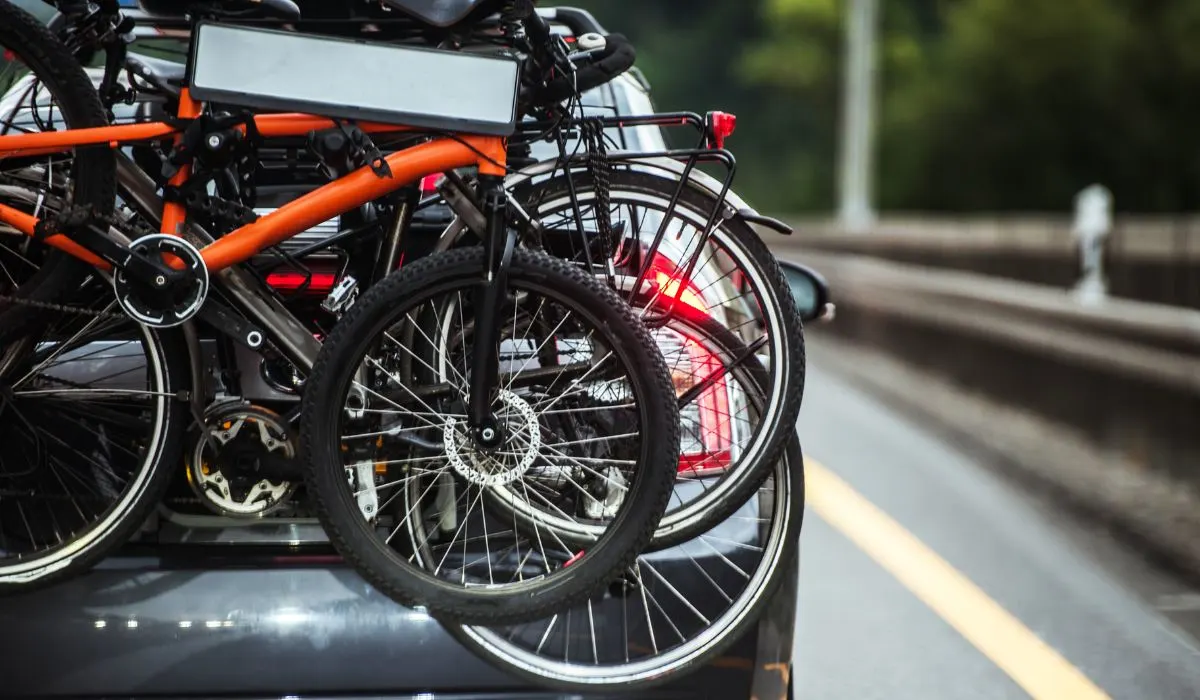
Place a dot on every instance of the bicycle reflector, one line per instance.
(292, 281)
(720, 126)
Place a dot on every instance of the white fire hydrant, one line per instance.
(1093, 222)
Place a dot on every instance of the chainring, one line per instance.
(221, 470)
(154, 309)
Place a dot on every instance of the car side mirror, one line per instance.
(810, 291)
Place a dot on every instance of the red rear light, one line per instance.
(290, 281)
(720, 127)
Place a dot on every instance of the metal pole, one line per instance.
(856, 212)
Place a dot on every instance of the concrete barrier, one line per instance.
(1155, 259)
(1124, 375)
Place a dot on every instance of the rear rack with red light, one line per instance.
(713, 127)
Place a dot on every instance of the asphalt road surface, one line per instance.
(928, 574)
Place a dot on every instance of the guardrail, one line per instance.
(1146, 342)
(1146, 258)
(1124, 376)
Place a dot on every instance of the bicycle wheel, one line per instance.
(715, 425)
(44, 88)
(88, 416)
(736, 286)
(673, 611)
(585, 401)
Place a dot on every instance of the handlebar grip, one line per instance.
(616, 58)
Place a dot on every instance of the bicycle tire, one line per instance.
(147, 487)
(353, 535)
(578, 676)
(93, 180)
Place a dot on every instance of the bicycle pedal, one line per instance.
(341, 296)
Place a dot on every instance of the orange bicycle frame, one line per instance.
(438, 155)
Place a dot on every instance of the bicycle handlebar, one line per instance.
(591, 70)
(582, 71)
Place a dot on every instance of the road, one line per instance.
(926, 574)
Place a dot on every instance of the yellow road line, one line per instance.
(1035, 666)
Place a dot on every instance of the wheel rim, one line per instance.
(89, 405)
(518, 645)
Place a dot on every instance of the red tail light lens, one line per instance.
(666, 276)
(707, 447)
(290, 281)
(710, 450)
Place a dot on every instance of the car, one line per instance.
(204, 603)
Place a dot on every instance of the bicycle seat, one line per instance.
(232, 9)
(442, 13)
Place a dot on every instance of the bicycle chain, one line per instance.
(70, 217)
(600, 168)
(61, 308)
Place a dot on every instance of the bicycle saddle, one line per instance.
(232, 9)
(441, 13)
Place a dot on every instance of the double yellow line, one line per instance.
(1030, 662)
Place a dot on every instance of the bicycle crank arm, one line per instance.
(230, 323)
(155, 274)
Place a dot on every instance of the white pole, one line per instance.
(856, 212)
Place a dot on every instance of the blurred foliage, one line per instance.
(984, 105)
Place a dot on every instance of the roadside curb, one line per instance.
(1160, 516)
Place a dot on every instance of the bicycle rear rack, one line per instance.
(705, 152)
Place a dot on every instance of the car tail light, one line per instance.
(709, 449)
(291, 281)
(707, 445)
(667, 278)
(720, 127)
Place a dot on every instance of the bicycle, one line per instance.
(719, 227)
(163, 280)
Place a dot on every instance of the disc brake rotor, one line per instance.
(524, 437)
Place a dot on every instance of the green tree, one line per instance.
(994, 105)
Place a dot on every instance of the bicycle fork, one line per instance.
(498, 244)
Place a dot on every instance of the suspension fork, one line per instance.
(498, 244)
